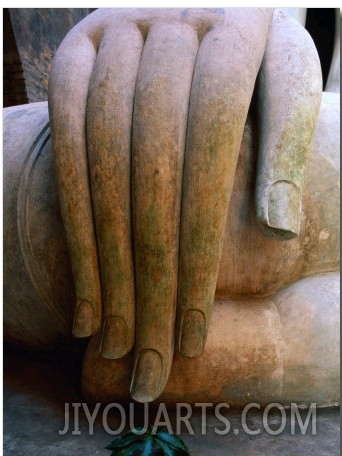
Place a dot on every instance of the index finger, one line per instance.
(222, 88)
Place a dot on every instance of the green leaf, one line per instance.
(167, 451)
(131, 443)
(147, 451)
(173, 441)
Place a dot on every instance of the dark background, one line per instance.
(32, 36)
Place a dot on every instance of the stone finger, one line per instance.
(159, 132)
(289, 92)
(226, 68)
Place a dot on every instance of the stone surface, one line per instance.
(146, 151)
(14, 91)
(20, 248)
(31, 44)
(35, 392)
(40, 328)
(250, 345)
(258, 350)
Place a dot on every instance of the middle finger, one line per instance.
(159, 131)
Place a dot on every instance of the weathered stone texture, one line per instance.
(32, 36)
(280, 348)
(14, 89)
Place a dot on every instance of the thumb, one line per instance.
(289, 92)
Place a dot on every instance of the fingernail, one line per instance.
(146, 382)
(83, 321)
(114, 338)
(193, 333)
(284, 209)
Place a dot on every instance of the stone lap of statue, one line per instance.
(282, 347)
(163, 97)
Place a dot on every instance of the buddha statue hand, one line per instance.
(147, 112)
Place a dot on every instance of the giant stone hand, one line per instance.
(147, 111)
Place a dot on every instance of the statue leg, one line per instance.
(280, 349)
